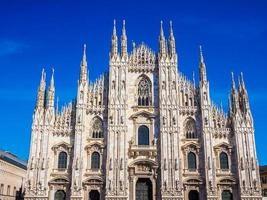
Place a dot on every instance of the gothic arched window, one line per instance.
(190, 128)
(95, 160)
(143, 135)
(224, 161)
(144, 92)
(97, 128)
(60, 195)
(192, 162)
(227, 195)
(62, 160)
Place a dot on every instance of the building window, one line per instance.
(190, 129)
(143, 135)
(60, 195)
(2, 189)
(192, 164)
(97, 128)
(95, 161)
(62, 160)
(8, 190)
(144, 92)
(15, 191)
(224, 161)
(227, 195)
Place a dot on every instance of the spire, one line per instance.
(242, 81)
(161, 31)
(51, 91)
(162, 45)
(235, 102)
(193, 77)
(83, 72)
(229, 106)
(123, 40)
(114, 41)
(244, 95)
(41, 92)
(233, 81)
(202, 67)
(172, 48)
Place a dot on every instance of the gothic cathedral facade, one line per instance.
(142, 131)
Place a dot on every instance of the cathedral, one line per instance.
(142, 131)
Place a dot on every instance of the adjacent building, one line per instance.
(143, 131)
(263, 175)
(12, 176)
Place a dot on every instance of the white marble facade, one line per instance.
(142, 131)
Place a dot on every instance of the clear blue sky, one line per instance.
(46, 33)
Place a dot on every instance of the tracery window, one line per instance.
(60, 195)
(190, 129)
(62, 160)
(97, 128)
(144, 92)
(224, 161)
(143, 135)
(227, 195)
(192, 162)
(95, 161)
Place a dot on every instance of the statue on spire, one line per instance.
(172, 49)
(202, 67)
(123, 41)
(162, 44)
(41, 92)
(51, 91)
(114, 42)
(83, 72)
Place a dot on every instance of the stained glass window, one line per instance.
(143, 135)
(95, 161)
(227, 195)
(144, 92)
(62, 160)
(190, 129)
(192, 165)
(224, 161)
(60, 195)
(97, 128)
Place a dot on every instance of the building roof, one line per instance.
(263, 168)
(12, 159)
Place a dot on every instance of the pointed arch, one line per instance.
(190, 128)
(192, 161)
(97, 130)
(95, 161)
(143, 135)
(62, 160)
(224, 164)
(144, 91)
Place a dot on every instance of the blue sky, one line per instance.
(37, 34)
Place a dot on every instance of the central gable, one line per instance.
(142, 59)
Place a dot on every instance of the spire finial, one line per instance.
(134, 45)
(242, 80)
(171, 30)
(123, 40)
(83, 72)
(41, 91)
(233, 80)
(114, 41)
(123, 28)
(52, 79)
(84, 53)
(201, 54)
(161, 30)
(202, 66)
(114, 27)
